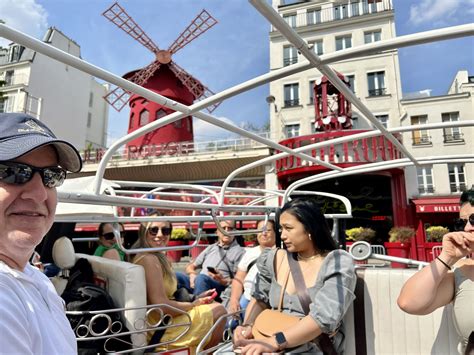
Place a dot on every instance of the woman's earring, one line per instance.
(309, 236)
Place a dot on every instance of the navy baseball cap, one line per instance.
(21, 133)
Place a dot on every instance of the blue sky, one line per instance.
(234, 50)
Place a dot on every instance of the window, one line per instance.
(291, 95)
(355, 8)
(89, 120)
(451, 134)
(15, 53)
(376, 82)
(369, 6)
(91, 99)
(425, 180)
(372, 36)
(340, 12)
(311, 92)
(457, 182)
(343, 42)
(313, 16)
(355, 122)
(351, 80)
(292, 130)
(130, 123)
(290, 20)
(383, 119)
(290, 55)
(144, 117)
(2, 104)
(9, 77)
(422, 136)
(160, 113)
(318, 46)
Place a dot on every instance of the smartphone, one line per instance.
(213, 295)
(212, 269)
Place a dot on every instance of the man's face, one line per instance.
(224, 239)
(27, 211)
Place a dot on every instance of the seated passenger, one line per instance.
(108, 247)
(218, 263)
(328, 274)
(161, 285)
(247, 269)
(436, 285)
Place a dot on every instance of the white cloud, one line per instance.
(205, 132)
(25, 15)
(439, 10)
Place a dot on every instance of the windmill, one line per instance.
(163, 76)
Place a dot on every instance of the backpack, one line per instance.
(81, 294)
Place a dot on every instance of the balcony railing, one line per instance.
(378, 92)
(426, 190)
(16, 79)
(423, 140)
(291, 103)
(289, 61)
(173, 149)
(340, 11)
(453, 137)
(358, 151)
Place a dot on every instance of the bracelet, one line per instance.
(444, 263)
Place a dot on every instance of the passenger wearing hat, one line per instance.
(33, 162)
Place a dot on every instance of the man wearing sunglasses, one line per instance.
(33, 162)
(218, 263)
(449, 278)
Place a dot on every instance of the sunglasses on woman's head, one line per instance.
(111, 235)
(460, 223)
(155, 230)
(19, 173)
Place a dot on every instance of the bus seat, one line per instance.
(64, 258)
(381, 327)
(126, 284)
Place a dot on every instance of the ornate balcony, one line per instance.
(352, 153)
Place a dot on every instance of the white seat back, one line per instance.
(64, 258)
(127, 287)
(389, 330)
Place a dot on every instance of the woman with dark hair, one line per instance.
(108, 247)
(449, 278)
(329, 278)
(161, 285)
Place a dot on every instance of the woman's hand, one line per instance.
(456, 245)
(242, 333)
(219, 278)
(260, 346)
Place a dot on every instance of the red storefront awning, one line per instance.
(437, 205)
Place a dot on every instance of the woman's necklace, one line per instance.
(307, 258)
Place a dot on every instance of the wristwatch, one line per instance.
(281, 340)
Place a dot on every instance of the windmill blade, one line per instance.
(193, 85)
(118, 16)
(119, 97)
(198, 26)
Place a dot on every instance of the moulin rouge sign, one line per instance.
(144, 151)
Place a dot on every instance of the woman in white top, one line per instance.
(436, 286)
(247, 269)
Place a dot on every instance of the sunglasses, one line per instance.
(19, 174)
(460, 223)
(111, 235)
(164, 230)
